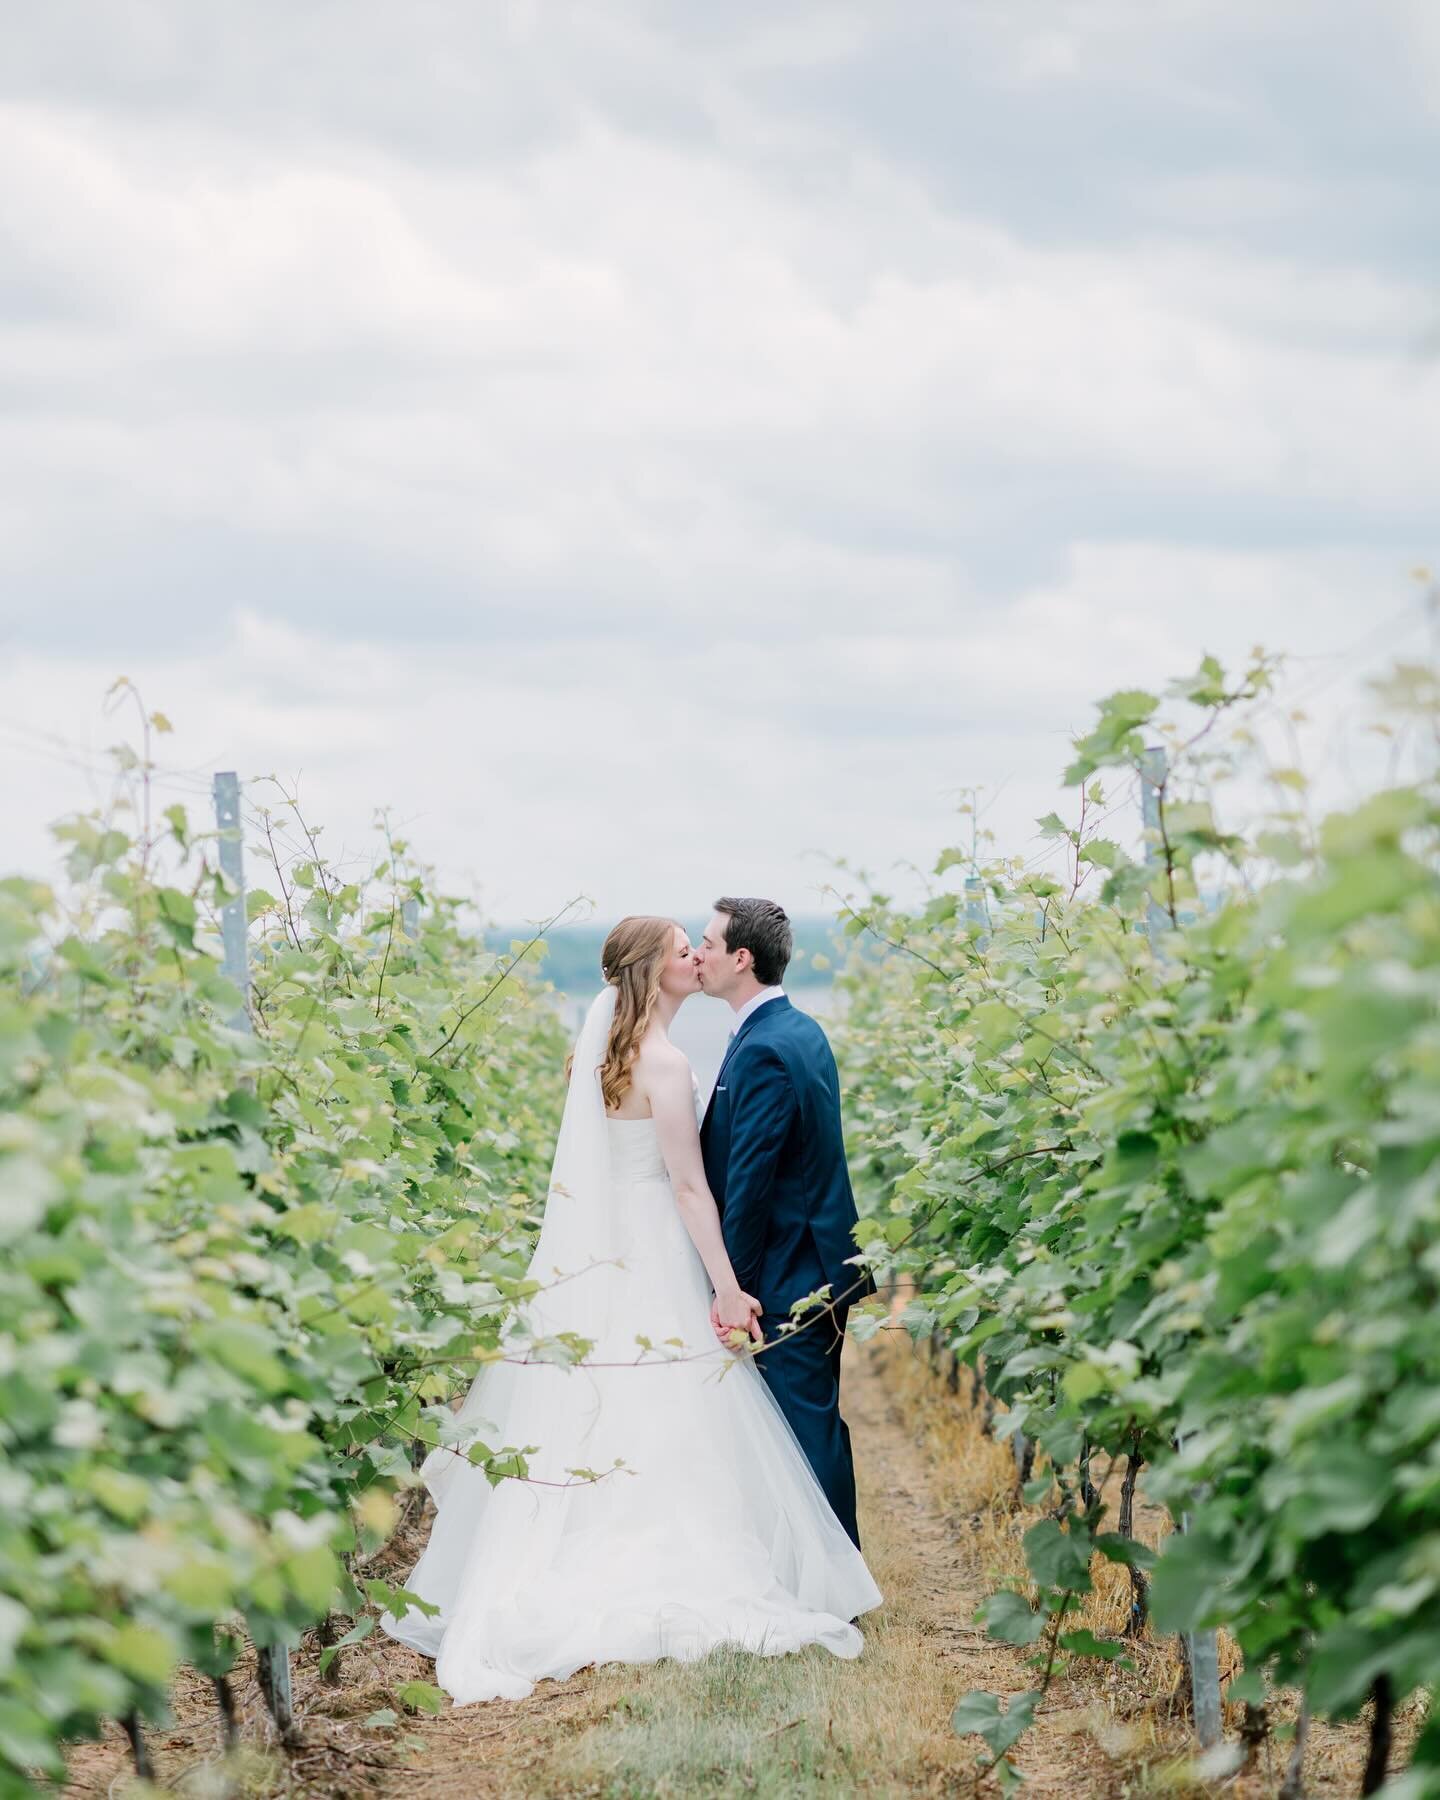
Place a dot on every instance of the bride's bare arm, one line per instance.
(672, 1103)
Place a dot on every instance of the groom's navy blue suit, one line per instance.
(775, 1161)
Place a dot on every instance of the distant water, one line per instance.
(702, 1025)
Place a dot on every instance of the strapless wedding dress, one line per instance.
(715, 1532)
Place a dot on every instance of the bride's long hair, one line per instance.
(632, 961)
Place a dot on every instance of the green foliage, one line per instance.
(420, 1696)
(242, 1272)
(1171, 1166)
(980, 1714)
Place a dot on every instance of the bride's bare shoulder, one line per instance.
(659, 1058)
(656, 1048)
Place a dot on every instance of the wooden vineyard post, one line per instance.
(274, 1671)
(274, 1663)
(976, 912)
(1200, 1650)
(1154, 769)
(236, 964)
(1202, 1658)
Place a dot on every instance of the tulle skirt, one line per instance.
(714, 1531)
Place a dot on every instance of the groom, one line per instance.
(775, 1162)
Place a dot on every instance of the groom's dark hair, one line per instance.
(759, 926)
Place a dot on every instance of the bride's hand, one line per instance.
(737, 1312)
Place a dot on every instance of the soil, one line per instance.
(940, 1529)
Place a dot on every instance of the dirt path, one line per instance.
(945, 1576)
(940, 1531)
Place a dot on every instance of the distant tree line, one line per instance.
(572, 952)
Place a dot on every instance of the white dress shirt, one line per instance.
(754, 1003)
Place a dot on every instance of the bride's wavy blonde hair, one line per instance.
(632, 961)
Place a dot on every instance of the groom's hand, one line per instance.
(735, 1324)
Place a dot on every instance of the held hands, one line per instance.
(736, 1319)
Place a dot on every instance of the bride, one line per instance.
(712, 1530)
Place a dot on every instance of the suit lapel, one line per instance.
(745, 1029)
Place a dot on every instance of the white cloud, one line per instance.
(649, 772)
(618, 441)
(593, 377)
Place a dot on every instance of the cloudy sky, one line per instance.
(656, 446)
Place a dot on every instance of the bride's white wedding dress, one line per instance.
(714, 1532)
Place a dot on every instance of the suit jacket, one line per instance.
(775, 1160)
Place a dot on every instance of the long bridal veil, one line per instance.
(577, 1255)
(578, 1224)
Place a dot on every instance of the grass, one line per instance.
(782, 1729)
(785, 1727)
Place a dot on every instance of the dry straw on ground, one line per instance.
(1139, 1715)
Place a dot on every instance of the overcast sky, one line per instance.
(654, 446)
